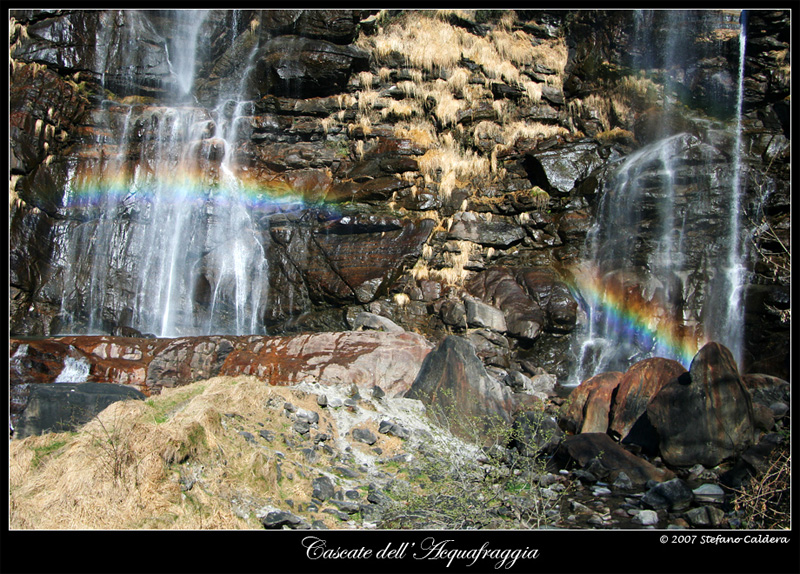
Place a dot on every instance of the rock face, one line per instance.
(389, 360)
(706, 415)
(304, 67)
(403, 178)
(64, 407)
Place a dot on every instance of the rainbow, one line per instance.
(188, 186)
(632, 317)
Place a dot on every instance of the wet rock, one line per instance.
(354, 259)
(304, 67)
(706, 415)
(497, 234)
(338, 26)
(559, 170)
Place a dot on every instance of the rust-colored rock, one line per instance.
(389, 360)
(638, 385)
(590, 404)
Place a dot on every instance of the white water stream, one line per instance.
(193, 263)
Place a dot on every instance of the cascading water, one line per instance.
(731, 283)
(663, 269)
(194, 262)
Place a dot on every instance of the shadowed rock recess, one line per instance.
(336, 268)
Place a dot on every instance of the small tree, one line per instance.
(474, 482)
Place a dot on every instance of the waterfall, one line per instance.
(733, 324)
(169, 245)
(182, 58)
(663, 267)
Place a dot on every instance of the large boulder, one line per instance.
(638, 385)
(590, 403)
(704, 416)
(603, 456)
(454, 384)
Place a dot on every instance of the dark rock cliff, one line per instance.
(423, 181)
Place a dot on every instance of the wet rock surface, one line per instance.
(307, 128)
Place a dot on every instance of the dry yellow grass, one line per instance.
(419, 131)
(429, 43)
(433, 47)
(448, 163)
(122, 469)
(401, 110)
